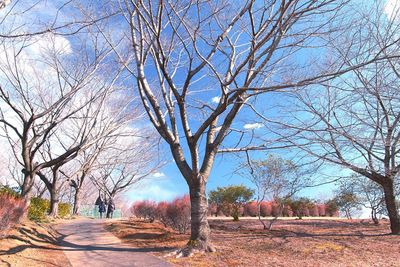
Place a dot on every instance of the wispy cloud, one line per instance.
(159, 174)
(153, 189)
(215, 99)
(252, 126)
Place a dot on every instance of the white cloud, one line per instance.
(51, 42)
(159, 174)
(391, 8)
(215, 99)
(252, 126)
(33, 62)
(155, 190)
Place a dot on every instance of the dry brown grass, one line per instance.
(290, 243)
(32, 244)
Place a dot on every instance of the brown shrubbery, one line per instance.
(175, 214)
(266, 209)
(12, 210)
(145, 209)
(178, 214)
(251, 209)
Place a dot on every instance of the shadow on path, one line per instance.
(85, 242)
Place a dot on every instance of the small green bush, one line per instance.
(38, 209)
(64, 210)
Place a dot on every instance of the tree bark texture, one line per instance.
(391, 205)
(200, 229)
(77, 200)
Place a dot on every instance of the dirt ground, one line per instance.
(290, 243)
(32, 244)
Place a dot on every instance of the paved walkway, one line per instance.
(85, 242)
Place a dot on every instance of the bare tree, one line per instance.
(357, 127)
(347, 200)
(19, 19)
(99, 123)
(117, 123)
(127, 162)
(368, 194)
(77, 176)
(186, 52)
(53, 185)
(353, 121)
(34, 104)
(275, 179)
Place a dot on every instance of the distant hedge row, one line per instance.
(298, 208)
(176, 214)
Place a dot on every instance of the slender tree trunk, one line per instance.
(236, 212)
(77, 201)
(281, 207)
(348, 214)
(200, 229)
(54, 201)
(374, 216)
(391, 206)
(259, 215)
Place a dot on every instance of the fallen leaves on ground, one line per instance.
(32, 244)
(290, 243)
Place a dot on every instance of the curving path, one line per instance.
(85, 242)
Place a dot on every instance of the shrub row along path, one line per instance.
(85, 242)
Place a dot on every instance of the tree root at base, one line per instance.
(193, 247)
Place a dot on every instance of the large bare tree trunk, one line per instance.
(26, 189)
(391, 206)
(200, 229)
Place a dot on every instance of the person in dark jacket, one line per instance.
(110, 208)
(102, 208)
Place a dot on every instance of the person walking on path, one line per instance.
(102, 208)
(110, 208)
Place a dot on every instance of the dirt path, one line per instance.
(85, 242)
